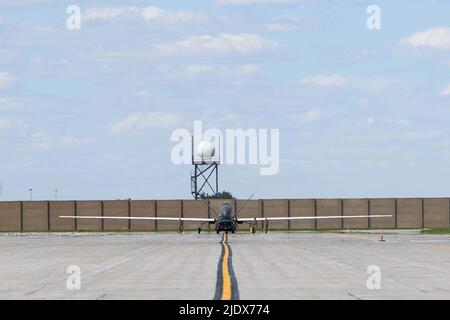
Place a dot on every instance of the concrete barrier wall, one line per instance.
(409, 213)
(355, 207)
(62, 208)
(117, 208)
(276, 208)
(382, 207)
(302, 208)
(89, 208)
(142, 208)
(168, 208)
(329, 207)
(195, 209)
(35, 216)
(42, 215)
(436, 213)
(252, 209)
(10, 216)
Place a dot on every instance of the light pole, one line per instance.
(31, 194)
(56, 194)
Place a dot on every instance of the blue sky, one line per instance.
(361, 113)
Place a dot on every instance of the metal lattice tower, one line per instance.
(205, 177)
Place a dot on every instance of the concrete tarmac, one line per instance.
(266, 266)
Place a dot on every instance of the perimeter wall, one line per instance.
(42, 216)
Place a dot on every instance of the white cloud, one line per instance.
(6, 80)
(8, 104)
(375, 84)
(247, 2)
(176, 17)
(331, 80)
(150, 13)
(40, 140)
(438, 37)
(276, 26)
(309, 116)
(152, 120)
(198, 70)
(446, 91)
(246, 70)
(243, 43)
(422, 135)
(46, 29)
(4, 123)
(412, 136)
(108, 12)
(74, 140)
(390, 121)
(286, 22)
(400, 122)
(144, 93)
(403, 122)
(223, 43)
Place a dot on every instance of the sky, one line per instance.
(361, 112)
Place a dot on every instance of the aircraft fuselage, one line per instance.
(226, 221)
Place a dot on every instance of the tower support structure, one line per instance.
(205, 176)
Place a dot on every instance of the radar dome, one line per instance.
(206, 150)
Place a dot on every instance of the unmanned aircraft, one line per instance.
(227, 221)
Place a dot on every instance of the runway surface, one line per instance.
(272, 266)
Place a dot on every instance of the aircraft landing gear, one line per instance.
(253, 226)
(180, 228)
(199, 230)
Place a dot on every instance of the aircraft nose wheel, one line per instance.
(199, 230)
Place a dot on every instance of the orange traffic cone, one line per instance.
(382, 236)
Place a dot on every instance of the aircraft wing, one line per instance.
(310, 218)
(140, 218)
